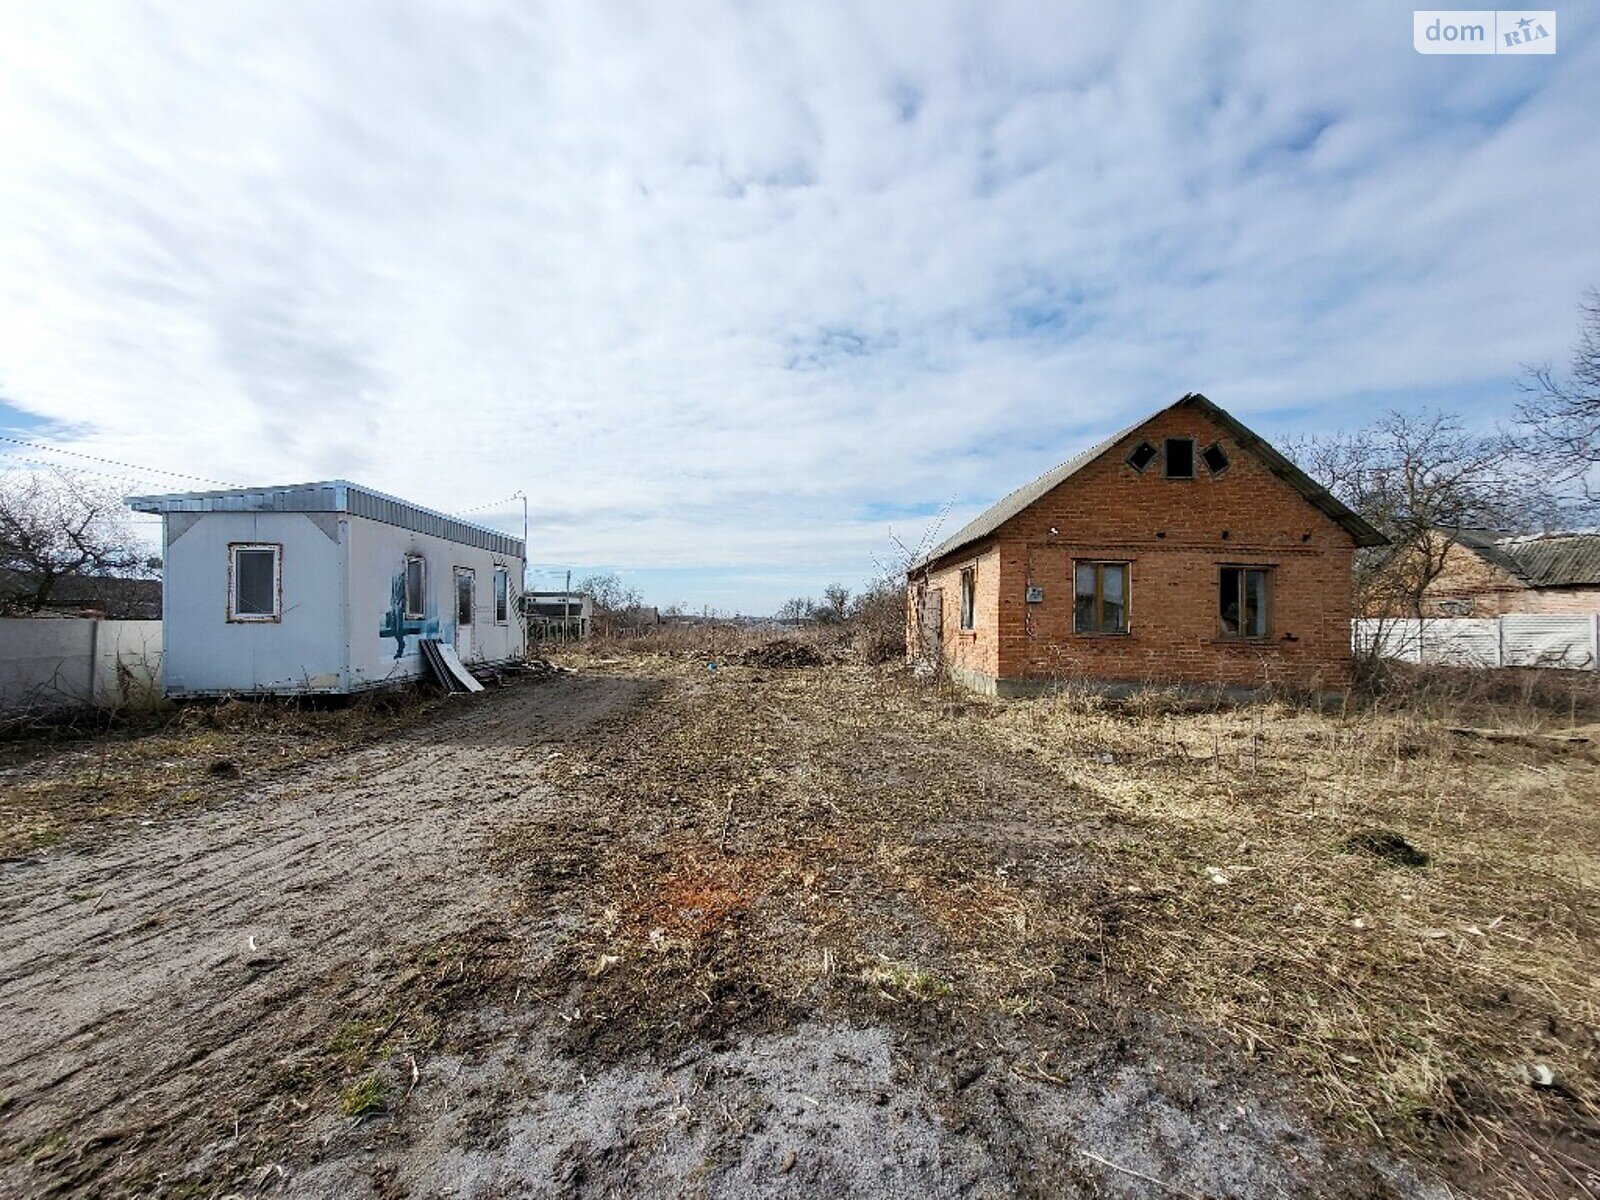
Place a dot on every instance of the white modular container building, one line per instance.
(325, 588)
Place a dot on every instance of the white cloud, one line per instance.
(713, 281)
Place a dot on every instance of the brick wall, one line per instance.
(1176, 535)
(1470, 587)
(976, 651)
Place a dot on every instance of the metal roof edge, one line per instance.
(342, 489)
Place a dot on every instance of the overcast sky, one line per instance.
(733, 290)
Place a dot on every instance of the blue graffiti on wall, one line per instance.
(395, 624)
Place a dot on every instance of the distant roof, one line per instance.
(339, 496)
(1569, 559)
(998, 514)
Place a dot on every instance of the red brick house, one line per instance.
(1184, 549)
(1485, 573)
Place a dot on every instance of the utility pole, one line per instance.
(566, 608)
(522, 591)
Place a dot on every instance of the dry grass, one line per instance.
(1407, 1000)
(896, 841)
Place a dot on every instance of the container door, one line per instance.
(466, 598)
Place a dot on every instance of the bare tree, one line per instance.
(797, 608)
(1559, 421)
(1421, 480)
(58, 525)
(835, 603)
(614, 601)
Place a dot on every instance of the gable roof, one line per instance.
(998, 514)
(1570, 559)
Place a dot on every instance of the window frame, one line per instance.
(420, 613)
(1269, 571)
(235, 617)
(1144, 444)
(1166, 460)
(967, 599)
(1099, 565)
(502, 594)
(1227, 460)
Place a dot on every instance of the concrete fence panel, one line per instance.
(1567, 641)
(48, 663)
(1534, 640)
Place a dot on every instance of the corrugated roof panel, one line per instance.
(1555, 559)
(336, 496)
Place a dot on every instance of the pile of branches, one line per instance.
(784, 652)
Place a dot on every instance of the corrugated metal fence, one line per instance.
(1570, 641)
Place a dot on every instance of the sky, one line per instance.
(739, 294)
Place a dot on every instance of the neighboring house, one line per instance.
(325, 588)
(1184, 549)
(558, 616)
(1489, 574)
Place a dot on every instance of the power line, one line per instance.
(112, 462)
(461, 512)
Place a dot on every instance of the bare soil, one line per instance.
(658, 929)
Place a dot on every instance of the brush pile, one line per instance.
(784, 652)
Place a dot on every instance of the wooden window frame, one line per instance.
(1099, 565)
(967, 600)
(1241, 569)
(276, 615)
(502, 594)
(420, 613)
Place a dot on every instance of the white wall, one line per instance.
(206, 653)
(48, 663)
(377, 562)
(1570, 641)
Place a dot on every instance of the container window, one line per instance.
(254, 582)
(502, 596)
(464, 598)
(416, 587)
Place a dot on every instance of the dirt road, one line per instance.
(610, 935)
(149, 986)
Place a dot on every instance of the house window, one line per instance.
(1180, 458)
(502, 595)
(1100, 597)
(416, 587)
(1244, 602)
(1143, 455)
(1215, 458)
(255, 579)
(969, 597)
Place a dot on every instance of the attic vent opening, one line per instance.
(1216, 458)
(1180, 458)
(1143, 455)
